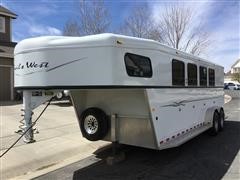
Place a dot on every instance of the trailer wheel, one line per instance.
(215, 124)
(94, 124)
(221, 120)
(59, 95)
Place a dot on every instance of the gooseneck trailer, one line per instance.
(128, 90)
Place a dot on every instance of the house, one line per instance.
(227, 77)
(236, 67)
(6, 55)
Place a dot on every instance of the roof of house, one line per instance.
(6, 12)
(238, 61)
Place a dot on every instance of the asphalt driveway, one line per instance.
(204, 157)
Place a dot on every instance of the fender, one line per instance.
(209, 113)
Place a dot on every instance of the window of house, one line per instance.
(203, 76)
(138, 66)
(178, 73)
(2, 24)
(192, 74)
(211, 77)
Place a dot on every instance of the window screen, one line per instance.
(203, 76)
(178, 73)
(192, 74)
(211, 76)
(138, 66)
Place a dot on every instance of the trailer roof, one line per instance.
(106, 39)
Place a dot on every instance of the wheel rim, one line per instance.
(59, 95)
(90, 124)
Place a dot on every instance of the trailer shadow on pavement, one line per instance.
(204, 157)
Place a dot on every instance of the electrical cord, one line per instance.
(27, 129)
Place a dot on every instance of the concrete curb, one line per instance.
(235, 94)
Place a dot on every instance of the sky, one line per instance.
(221, 19)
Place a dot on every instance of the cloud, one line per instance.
(36, 30)
(225, 29)
(27, 27)
(28, 30)
(34, 19)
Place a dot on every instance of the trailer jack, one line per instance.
(31, 100)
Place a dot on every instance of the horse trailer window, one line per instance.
(203, 76)
(178, 73)
(138, 66)
(192, 74)
(211, 76)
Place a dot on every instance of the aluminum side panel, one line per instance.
(131, 109)
(176, 110)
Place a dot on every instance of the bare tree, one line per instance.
(71, 28)
(175, 27)
(93, 18)
(177, 30)
(199, 44)
(140, 24)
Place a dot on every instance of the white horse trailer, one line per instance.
(128, 90)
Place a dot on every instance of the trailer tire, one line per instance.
(59, 95)
(221, 119)
(215, 124)
(94, 124)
